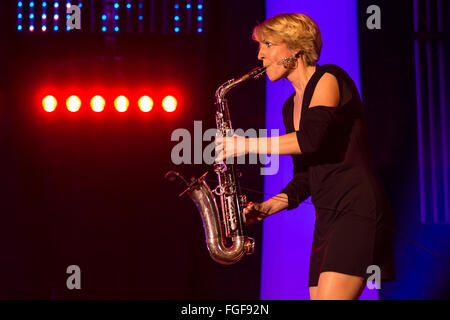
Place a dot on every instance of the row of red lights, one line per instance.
(97, 103)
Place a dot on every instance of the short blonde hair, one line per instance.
(296, 30)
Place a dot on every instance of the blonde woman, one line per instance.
(326, 134)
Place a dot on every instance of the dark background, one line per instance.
(88, 189)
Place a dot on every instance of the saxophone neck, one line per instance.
(227, 86)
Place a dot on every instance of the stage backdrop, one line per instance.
(287, 236)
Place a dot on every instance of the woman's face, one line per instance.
(270, 54)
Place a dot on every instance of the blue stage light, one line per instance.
(177, 29)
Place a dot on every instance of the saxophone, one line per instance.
(225, 234)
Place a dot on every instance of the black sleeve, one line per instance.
(316, 126)
(297, 189)
(319, 121)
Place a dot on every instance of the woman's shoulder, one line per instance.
(347, 86)
(335, 70)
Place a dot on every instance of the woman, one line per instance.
(327, 138)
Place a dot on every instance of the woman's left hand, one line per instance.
(230, 147)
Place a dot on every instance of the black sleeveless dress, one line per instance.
(354, 221)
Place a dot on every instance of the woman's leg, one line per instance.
(339, 286)
(312, 293)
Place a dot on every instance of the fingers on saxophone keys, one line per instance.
(219, 157)
(219, 140)
(219, 153)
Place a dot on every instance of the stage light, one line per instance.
(49, 103)
(188, 6)
(73, 103)
(31, 4)
(200, 17)
(177, 29)
(98, 104)
(44, 16)
(121, 103)
(19, 4)
(44, 28)
(116, 29)
(56, 5)
(116, 6)
(55, 28)
(31, 28)
(169, 103)
(104, 17)
(44, 4)
(104, 29)
(145, 103)
(19, 27)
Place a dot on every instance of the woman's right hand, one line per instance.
(255, 212)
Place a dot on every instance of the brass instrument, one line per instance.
(225, 234)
